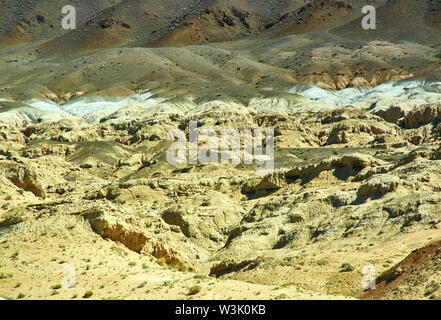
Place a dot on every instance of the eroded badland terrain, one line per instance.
(87, 196)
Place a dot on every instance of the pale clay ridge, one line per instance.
(405, 95)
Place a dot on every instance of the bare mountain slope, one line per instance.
(400, 20)
(36, 20)
(418, 275)
(179, 23)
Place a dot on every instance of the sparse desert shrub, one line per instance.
(281, 296)
(120, 201)
(346, 267)
(194, 290)
(21, 296)
(322, 262)
(88, 294)
(132, 263)
(55, 287)
(180, 267)
(431, 288)
(15, 255)
(288, 284)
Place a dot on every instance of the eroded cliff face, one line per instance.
(353, 176)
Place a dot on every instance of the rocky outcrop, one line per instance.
(112, 228)
(421, 116)
(26, 179)
(226, 267)
(379, 186)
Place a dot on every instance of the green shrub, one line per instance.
(281, 296)
(15, 255)
(431, 288)
(346, 267)
(194, 290)
(322, 262)
(180, 267)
